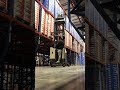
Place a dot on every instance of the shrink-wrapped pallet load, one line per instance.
(37, 15)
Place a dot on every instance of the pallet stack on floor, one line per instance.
(17, 44)
(102, 51)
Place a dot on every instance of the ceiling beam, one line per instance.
(106, 18)
(76, 6)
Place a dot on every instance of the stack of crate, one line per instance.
(46, 24)
(27, 10)
(23, 10)
(68, 36)
(78, 48)
(76, 44)
(42, 21)
(73, 44)
(37, 15)
(49, 25)
(70, 41)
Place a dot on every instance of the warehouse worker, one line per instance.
(60, 46)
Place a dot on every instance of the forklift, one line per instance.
(57, 52)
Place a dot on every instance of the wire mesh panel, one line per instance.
(17, 67)
(14, 77)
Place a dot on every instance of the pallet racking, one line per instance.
(69, 33)
(101, 48)
(17, 50)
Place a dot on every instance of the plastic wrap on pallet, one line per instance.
(46, 3)
(52, 24)
(67, 23)
(78, 49)
(49, 24)
(3, 5)
(76, 46)
(18, 9)
(61, 11)
(70, 41)
(70, 30)
(66, 38)
(27, 10)
(46, 23)
(73, 32)
(112, 77)
(75, 35)
(82, 58)
(22, 10)
(42, 20)
(57, 9)
(37, 12)
(51, 6)
(73, 44)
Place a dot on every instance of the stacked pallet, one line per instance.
(46, 24)
(22, 10)
(27, 10)
(78, 47)
(37, 15)
(73, 44)
(70, 41)
(42, 21)
(65, 38)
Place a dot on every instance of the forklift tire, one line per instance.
(63, 65)
(52, 63)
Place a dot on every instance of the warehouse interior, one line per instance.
(59, 45)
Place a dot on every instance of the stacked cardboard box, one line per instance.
(37, 15)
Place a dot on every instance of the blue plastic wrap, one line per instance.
(46, 3)
(112, 77)
(57, 9)
(82, 58)
(51, 6)
(67, 23)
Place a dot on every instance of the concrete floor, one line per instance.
(60, 78)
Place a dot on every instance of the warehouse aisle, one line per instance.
(59, 78)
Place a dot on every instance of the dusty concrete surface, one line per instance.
(60, 78)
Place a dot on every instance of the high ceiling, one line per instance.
(72, 11)
(110, 10)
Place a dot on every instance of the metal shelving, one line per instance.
(101, 47)
(16, 67)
